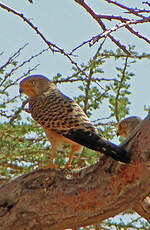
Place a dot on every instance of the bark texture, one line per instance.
(56, 199)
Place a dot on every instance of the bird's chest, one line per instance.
(41, 110)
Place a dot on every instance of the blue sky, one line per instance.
(67, 24)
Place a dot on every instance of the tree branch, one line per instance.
(52, 47)
(130, 10)
(101, 24)
(117, 27)
(30, 1)
(125, 22)
(55, 199)
(147, 3)
(16, 114)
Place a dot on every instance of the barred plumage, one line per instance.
(64, 121)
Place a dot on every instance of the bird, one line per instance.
(127, 125)
(64, 121)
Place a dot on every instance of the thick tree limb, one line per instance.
(143, 208)
(54, 199)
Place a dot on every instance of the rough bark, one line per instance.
(56, 199)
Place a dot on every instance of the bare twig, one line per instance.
(142, 11)
(101, 119)
(79, 46)
(18, 66)
(101, 24)
(147, 3)
(52, 47)
(137, 34)
(69, 80)
(112, 17)
(10, 61)
(130, 10)
(30, 1)
(25, 74)
(14, 117)
(117, 27)
(3, 114)
(125, 22)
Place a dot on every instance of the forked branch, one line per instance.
(55, 199)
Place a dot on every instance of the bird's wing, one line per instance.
(59, 113)
(95, 142)
(64, 116)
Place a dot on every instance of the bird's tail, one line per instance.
(95, 142)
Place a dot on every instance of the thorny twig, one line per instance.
(69, 80)
(19, 66)
(129, 10)
(101, 24)
(13, 118)
(25, 74)
(54, 48)
(125, 22)
(88, 67)
(30, 1)
(117, 27)
(104, 34)
(147, 3)
(10, 61)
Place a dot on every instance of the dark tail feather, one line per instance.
(95, 142)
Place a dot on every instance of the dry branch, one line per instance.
(55, 199)
(102, 25)
(124, 23)
(106, 32)
(54, 48)
(30, 1)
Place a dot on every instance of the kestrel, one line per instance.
(126, 126)
(64, 121)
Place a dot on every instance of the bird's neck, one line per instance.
(51, 91)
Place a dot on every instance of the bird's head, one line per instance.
(127, 125)
(122, 127)
(35, 85)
